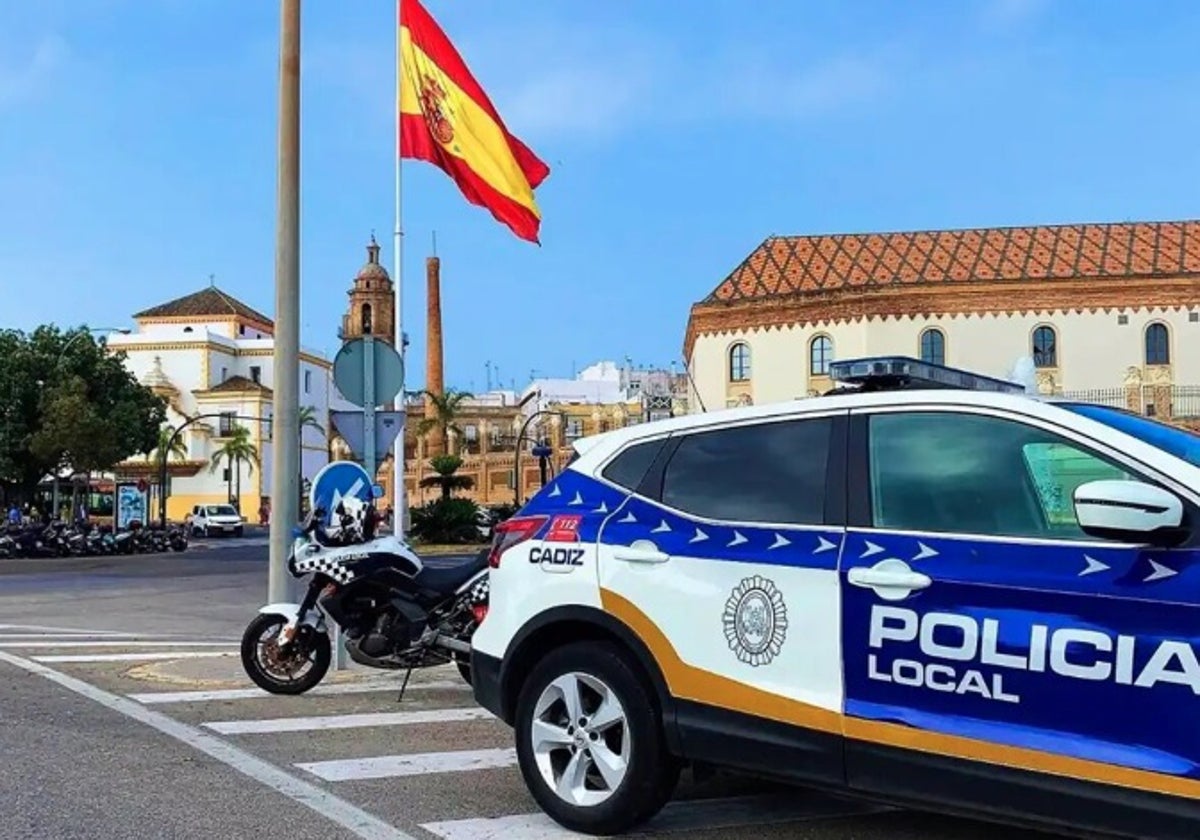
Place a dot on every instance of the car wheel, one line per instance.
(590, 742)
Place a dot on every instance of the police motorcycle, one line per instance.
(396, 611)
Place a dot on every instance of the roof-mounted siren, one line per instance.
(891, 373)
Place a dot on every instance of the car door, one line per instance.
(995, 654)
(724, 559)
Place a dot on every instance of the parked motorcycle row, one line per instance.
(58, 539)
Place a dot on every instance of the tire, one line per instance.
(650, 771)
(267, 681)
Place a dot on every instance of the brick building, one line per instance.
(1108, 312)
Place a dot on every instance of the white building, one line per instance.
(210, 356)
(1107, 312)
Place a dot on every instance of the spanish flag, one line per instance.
(447, 120)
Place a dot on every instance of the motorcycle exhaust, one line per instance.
(451, 643)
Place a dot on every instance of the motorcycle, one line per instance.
(396, 611)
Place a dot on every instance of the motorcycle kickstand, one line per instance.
(407, 674)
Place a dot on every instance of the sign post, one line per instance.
(366, 372)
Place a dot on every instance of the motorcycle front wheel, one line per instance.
(294, 671)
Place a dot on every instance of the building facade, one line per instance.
(210, 356)
(1108, 312)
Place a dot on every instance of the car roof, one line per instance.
(595, 449)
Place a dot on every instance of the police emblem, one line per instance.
(755, 620)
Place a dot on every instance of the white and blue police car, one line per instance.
(926, 587)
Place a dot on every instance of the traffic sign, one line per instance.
(364, 356)
(351, 426)
(339, 480)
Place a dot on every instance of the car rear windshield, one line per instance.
(1179, 442)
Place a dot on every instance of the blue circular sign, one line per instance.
(336, 481)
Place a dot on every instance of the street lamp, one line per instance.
(62, 354)
(517, 453)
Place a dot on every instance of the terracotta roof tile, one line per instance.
(237, 383)
(798, 265)
(209, 301)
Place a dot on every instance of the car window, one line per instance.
(965, 473)
(630, 467)
(765, 472)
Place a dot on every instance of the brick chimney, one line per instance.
(434, 379)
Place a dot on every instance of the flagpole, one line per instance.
(400, 507)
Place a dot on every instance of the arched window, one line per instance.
(1045, 347)
(1158, 345)
(820, 354)
(739, 362)
(933, 346)
(366, 319)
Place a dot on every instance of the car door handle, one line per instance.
(640, 555)
(895, 580)
(891, 579)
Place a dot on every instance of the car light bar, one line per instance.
(895, 372)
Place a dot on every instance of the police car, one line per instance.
(926, 587)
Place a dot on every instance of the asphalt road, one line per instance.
(154, 733)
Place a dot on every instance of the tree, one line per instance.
(308, 418)
(236, 450)
(445, 467)
(446, 411)
(178, 449)
(67, 401)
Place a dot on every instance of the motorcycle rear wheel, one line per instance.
(264, 673)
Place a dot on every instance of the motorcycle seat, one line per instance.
(446, 575)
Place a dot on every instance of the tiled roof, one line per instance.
(800, 265)
(237, 383)
(209, 301)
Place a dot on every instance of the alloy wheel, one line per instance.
(580, 739)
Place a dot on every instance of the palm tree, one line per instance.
(445, 467)
(308, 419)
(167, 438)
(236, 449)
(445, 414)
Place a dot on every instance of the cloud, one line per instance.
(768, 91)
(1010, 12)
(595, 84)
(28, 79)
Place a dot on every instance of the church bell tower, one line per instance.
(372, 301)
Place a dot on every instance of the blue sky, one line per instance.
(137, 144)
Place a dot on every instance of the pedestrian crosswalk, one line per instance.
(349, 736)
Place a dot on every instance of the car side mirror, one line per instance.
(1129, 511)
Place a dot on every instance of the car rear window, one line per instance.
(630, 467)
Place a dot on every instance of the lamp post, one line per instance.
(517, 454)
(62, 354)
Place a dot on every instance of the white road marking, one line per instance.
(677, 816)
(5, 643)
(203, 696)
(134, 657)
(309, 724)
(114, 637)
(416, 764)
(44, 628)
(333, 808)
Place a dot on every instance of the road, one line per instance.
(126, 715)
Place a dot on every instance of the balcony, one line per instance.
(1178, 404)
